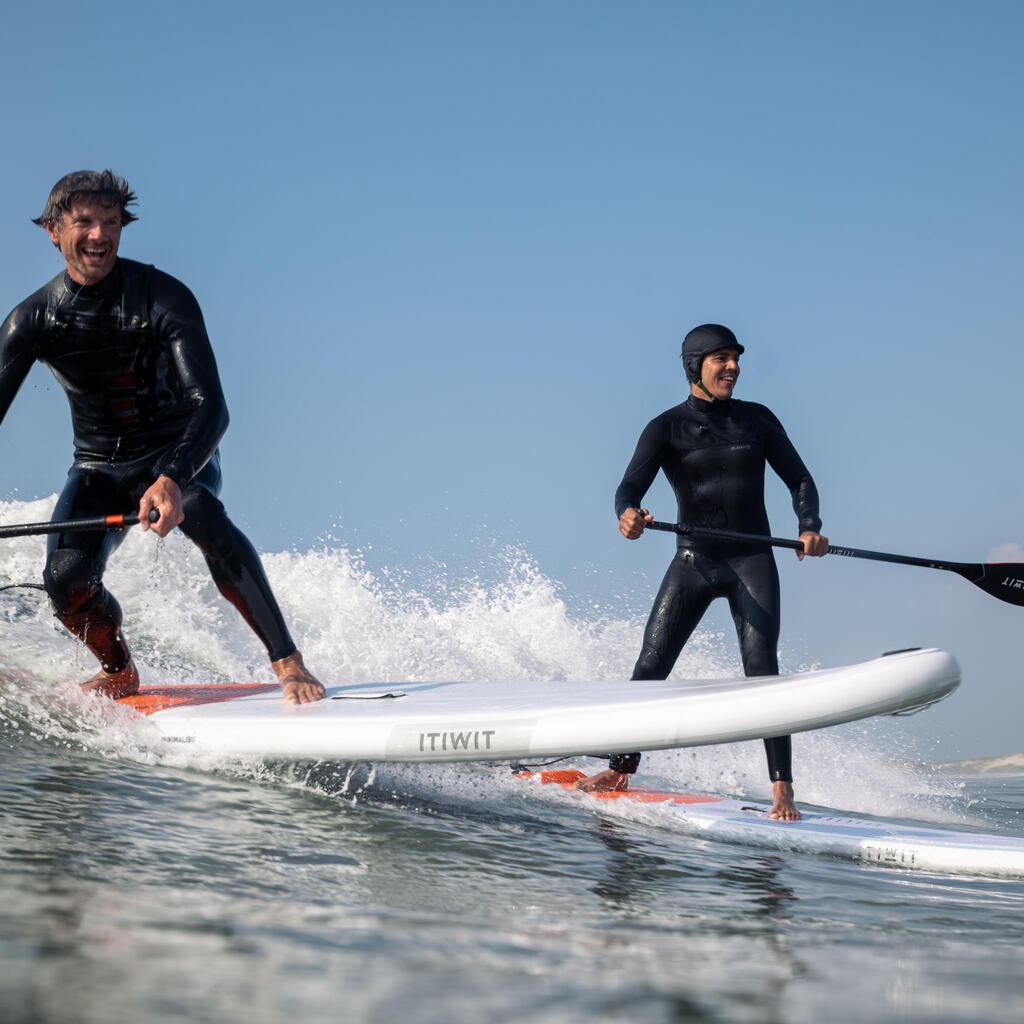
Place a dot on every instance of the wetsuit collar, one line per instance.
(706, 406)
(92, 291)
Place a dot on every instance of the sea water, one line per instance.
(142, 885)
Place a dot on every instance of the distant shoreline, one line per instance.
(1009, 764)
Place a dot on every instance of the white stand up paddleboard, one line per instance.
(496, 721)
(865, 840)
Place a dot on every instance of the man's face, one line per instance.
(88, 234)
(720, 371)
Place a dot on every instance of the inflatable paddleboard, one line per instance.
(859, 839)
(499, 721)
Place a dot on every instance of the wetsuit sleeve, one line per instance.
(178, 320)
(17, 354)
(643, 467)
(783, 458)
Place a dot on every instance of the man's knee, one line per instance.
(759, 650)
(71, 579)
(199, 504)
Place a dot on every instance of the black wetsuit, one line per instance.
(714, 456)
(134, 359)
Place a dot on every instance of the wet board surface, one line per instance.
(863, 840)
(493, 721)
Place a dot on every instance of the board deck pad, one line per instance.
(863, 840)
(568, 777)
(159, 698)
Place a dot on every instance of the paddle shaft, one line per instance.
(116, 522)
(1004, 580)
(796, 545)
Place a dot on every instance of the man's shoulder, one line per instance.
(755, 411)
(164, 291)
(134, 270)
(137, 269)
(671, 415)
(42, 295)
(747, 408)
(30, 309)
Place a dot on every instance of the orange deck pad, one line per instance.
(568, 777)
(159, 698)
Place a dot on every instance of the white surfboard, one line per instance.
(865, 840)
(496, 721)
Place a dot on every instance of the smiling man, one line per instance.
(713, 449)
(129, 346)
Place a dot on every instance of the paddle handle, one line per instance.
(115, 522)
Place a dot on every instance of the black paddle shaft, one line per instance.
(116, 522)
(1003, 580)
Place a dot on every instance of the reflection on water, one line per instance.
(163, 893)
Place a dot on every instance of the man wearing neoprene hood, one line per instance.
(128, 344)
(713, 449)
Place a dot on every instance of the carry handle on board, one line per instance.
(115, 522)
(1004, 580)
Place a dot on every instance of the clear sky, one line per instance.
(447, 253)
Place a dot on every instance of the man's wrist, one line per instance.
(175, 477)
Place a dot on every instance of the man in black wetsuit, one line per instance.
(713, 449)
(129, 346)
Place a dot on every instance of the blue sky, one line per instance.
(447, 253)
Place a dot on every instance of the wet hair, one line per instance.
(91, 186)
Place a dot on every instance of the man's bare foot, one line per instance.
(602, 782)
(298, 684)
(114, 684)
(783, 807)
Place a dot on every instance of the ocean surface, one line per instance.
(148, 886)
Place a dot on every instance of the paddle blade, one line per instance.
(1004, 580)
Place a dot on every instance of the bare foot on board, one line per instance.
(298, 684)
(783, 808)
(114, 684)
(604, 781)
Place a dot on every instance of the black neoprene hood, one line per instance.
(702, 341)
